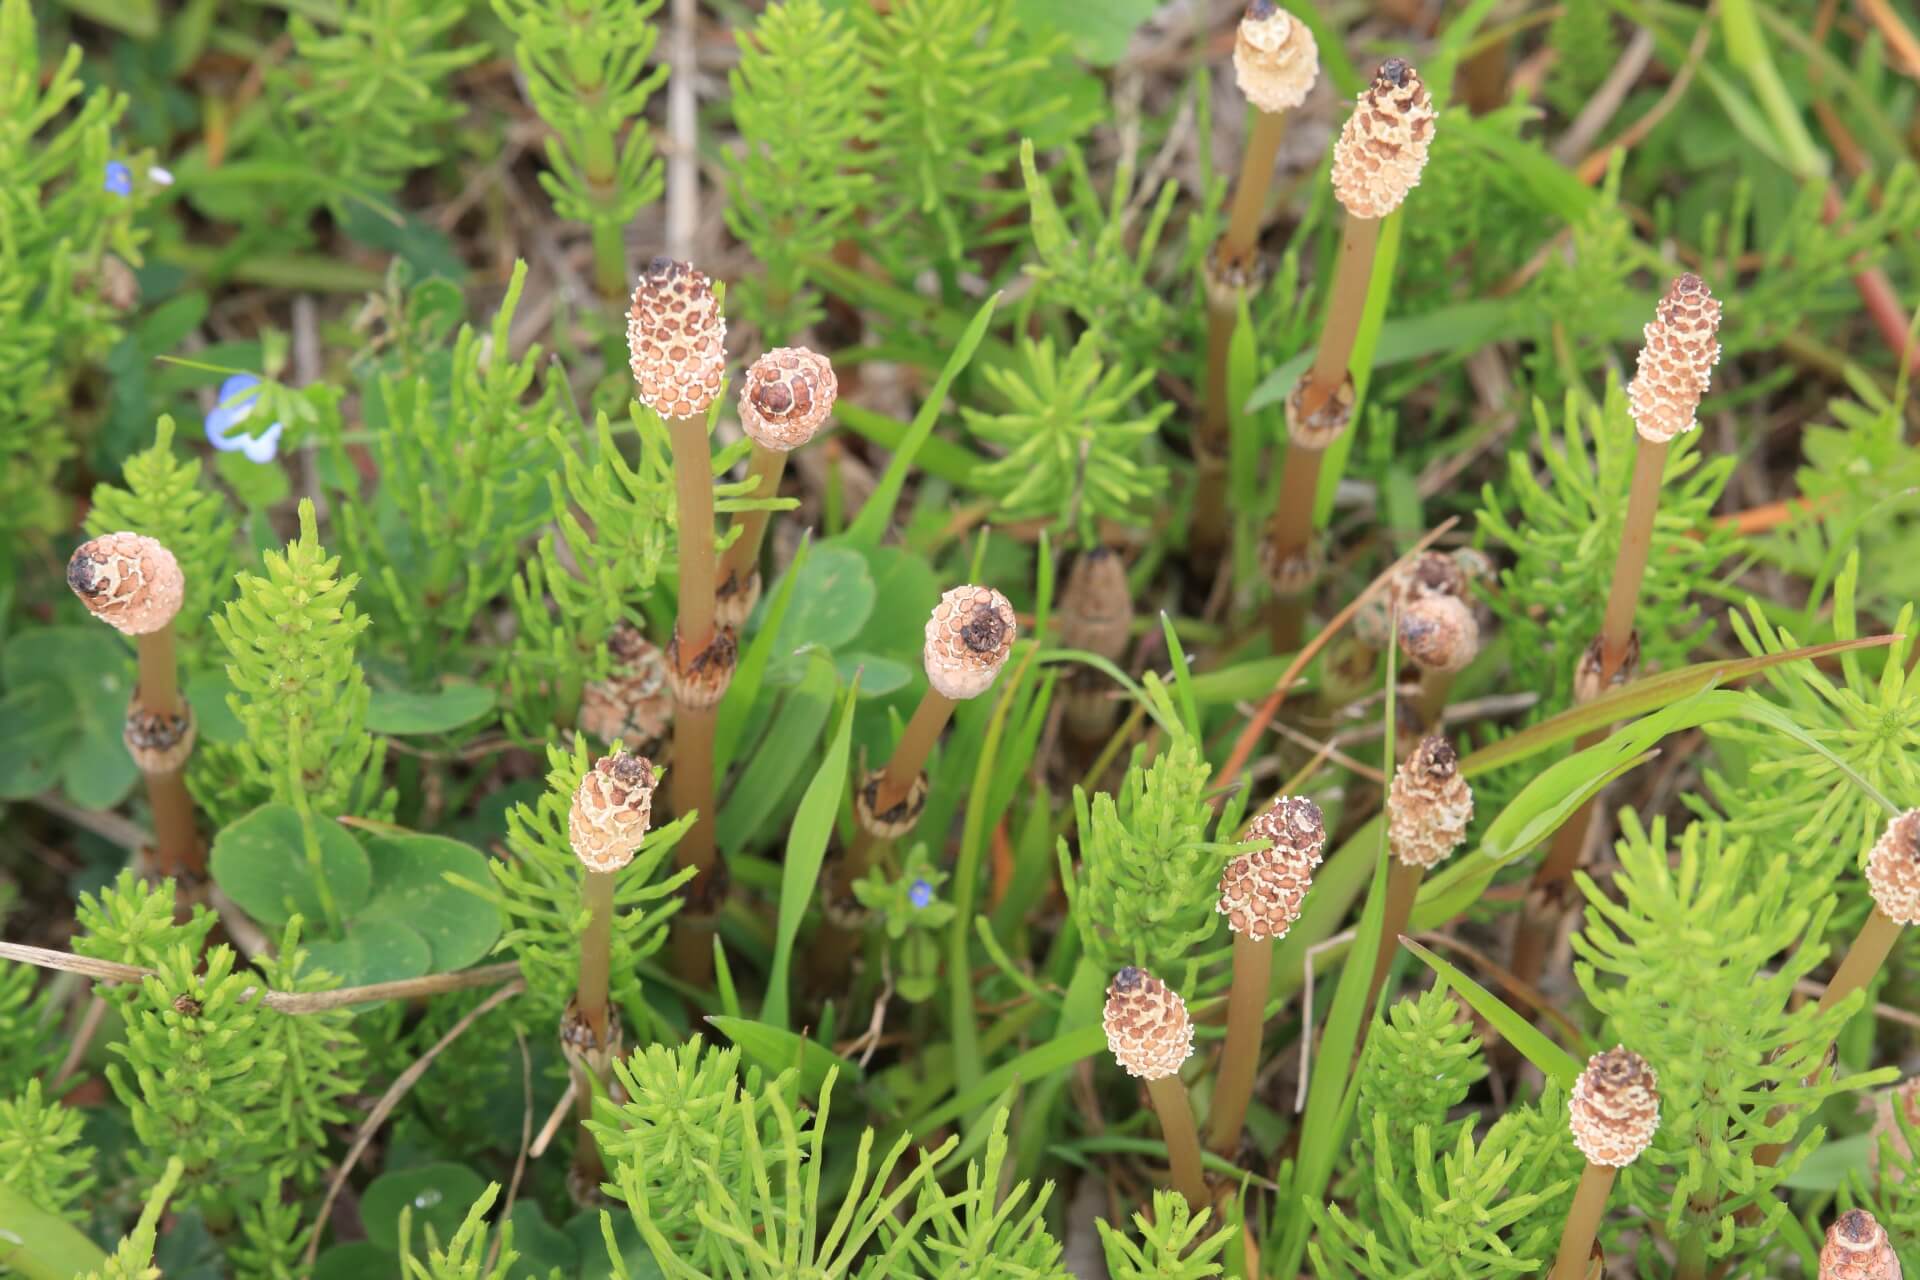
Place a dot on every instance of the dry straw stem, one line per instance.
(785, 400)
(1613, 1113)
(1260, 895)
(134, 584)
(1150, 1036)
(1857, 1248)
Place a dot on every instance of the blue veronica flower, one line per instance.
(119, 179)
(921, 893)
(237, 396)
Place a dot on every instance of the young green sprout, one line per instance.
(1260, 895)
(1675, 369)
(1151, 1036)
(612, 809)
(134, 584)
(676, 340)
(1857, 1248)
(1613, 1113)
(1275, 63)
(1376, 163)
(1429, 805)
(786, 399)
(1096, 614)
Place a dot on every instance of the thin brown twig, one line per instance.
(288, 1002)
(82, 1039)
(526, 1140)
(391, 1099)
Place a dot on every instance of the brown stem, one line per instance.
(1432, 702)
(765, 470)
(159, 687)
(1240, 1056)
(1536, 928)
(690, 789)
(588, 1168)
(1351, 280)
(1583, 1222)
(1183, 1139)
(177, 848)
(690, 782)
(596, 952)
(1636, 543)
(909, 757)
(1250, 191)
(1212, 441)
(693, 487)
(1857, 968)
(1403, 884)
(1290, 535)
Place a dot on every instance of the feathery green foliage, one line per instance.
(132, 1259)
(468, 1255)
(198, 1079)
(27, 1042)
(957, 83)
(538, 887)
(1148, 877)
(1071, 438)
(989, 1229)
(384, 65)
(1175, 1243)
(1694, 967)
(800, 100)
(41, 1153)
(461, 460)
(164, 498)
(133, 922)
(298, 689)
(585, 68)
(58, 225)
(319, 1065)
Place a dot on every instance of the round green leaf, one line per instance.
(373, 951)
(90, 670)
(438, 1194)
(438, 711)
(260, 861)
(831, 601)
(355, 1261)
(541, 1245)
(410, 885)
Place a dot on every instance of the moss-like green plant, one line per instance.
(462, 453)
(198, 1080)
(1072, 438)
(27, 1042)
(320, 1066)
(585, 69)
(298, 691)
(989, 1227)
(1695, 964)
(791, 190)
(164, 498)
(1175, 1243)
(956, 83)
(1147, 881)
(538, 887)
(1418, 1065)
(41, 1153)
(470, 1255)
(132, 1258)
(132, 922)
(386, 66)
(56, 228)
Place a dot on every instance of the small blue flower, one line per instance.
(921, 894)
(119, 179)
(237, 396)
